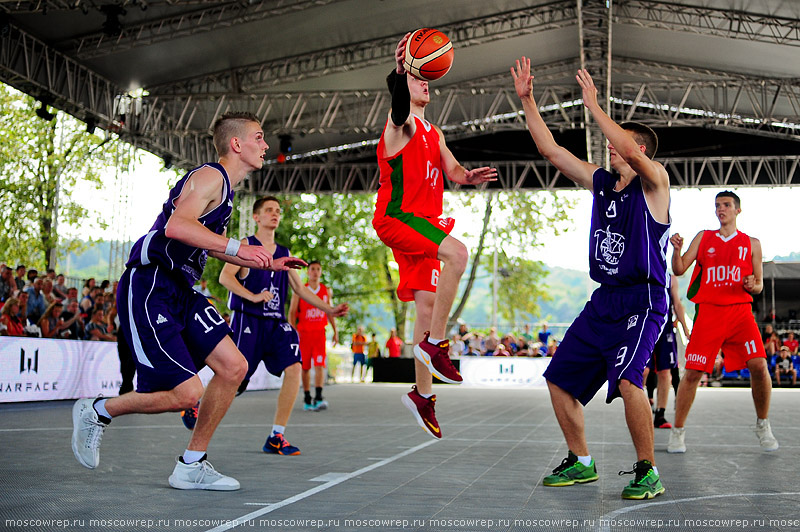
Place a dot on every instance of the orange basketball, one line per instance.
(429, 54)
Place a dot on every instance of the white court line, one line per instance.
(322, 487)
(605, 527)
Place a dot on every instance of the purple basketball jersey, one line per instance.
(258, 281)
(156, 248)
(628, 246)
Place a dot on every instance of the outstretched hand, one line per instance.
(340, 310)
(523, 79)
(400, 53)
(256, 254)
(480, 175)
(287, 263)
(589, 90)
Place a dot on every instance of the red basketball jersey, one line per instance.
(312, 318)
(411, 180)
(722, 264)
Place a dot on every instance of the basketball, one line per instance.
(429, 54)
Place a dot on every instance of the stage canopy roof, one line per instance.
(719, 80)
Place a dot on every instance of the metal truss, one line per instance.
(685, 172)
(34, 68)
(729, 23)
(203, 19)
(369, 53)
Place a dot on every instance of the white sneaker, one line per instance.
(676, 443)
(200, 476)
(87, 431)
(321, 405)
(765, 437)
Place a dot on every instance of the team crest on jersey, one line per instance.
(246, 330)
(633, 320)
(286, 327)
(275, 302)
(610, 246)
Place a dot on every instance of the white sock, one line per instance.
(100, 408)
(435, 341)
(278, 429)
(655, 469)
(426, 395)
(585, 460)
(759, 422)
(190, 457)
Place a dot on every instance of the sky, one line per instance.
(768, 214)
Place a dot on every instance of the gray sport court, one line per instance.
(367, 466)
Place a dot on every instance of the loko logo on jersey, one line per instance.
(723, 275)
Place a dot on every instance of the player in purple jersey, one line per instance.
(260, 329)
(172, 329)
(612, 338)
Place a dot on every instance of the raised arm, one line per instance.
(575, 169)
(755, 283)
(653, 174)
(681, 263)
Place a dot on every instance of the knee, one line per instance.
(456, 256)
(692, 376)
(186, 396)
(234, 370)
(626, 388)
(294, 370)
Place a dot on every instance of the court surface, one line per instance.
(367, 466)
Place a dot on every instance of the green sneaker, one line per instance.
(571, 471)
(645, 485)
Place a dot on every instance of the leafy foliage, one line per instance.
(41, 163)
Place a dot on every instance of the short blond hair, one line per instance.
(231, 125)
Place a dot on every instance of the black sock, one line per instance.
(319, 393)
(307, 397)
(660, 413)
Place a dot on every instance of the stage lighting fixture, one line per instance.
(285, 144)
(91, 125)
(112, 26)
(43, 113)
(167, 162)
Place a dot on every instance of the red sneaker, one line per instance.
(422, 409)
(437, 359)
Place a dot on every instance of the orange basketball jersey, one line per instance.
(312, 318)
(722, 265)
(411, 180)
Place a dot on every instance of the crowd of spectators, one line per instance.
(491, 343)
(44, 306)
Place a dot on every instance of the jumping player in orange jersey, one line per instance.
(413, 160)
(727, 273)
(311, 322)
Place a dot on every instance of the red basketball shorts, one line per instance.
(415, 244)
(312, 348)
(731, 328)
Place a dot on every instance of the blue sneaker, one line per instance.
(308, 407)
(189, 417)
(277, 444)
(321, 404)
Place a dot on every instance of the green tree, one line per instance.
(41, 163)
(512, 222)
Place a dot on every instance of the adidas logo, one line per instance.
(161, 319)
(246, 330)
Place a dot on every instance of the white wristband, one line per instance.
(232, 249)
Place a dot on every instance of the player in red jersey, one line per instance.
(414, 160)
(727, 273)
(311, 323)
